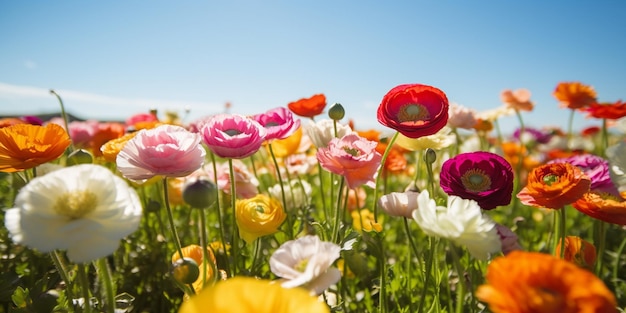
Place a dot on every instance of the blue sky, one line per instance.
(111, 59)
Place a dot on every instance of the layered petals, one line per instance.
(233, 136)
(24, 146)
(554, 185)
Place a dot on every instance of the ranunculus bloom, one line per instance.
(82, 132)
(205, 266)
(353, 157)
(482, 176)
(308, 107)
(9, 121)
(399, 203)
(246, 184)
(494, 114)
(141, 118)
(306, 262)
(283, 148)
(536, 282)
(437, 141)
(112, 148)
(84, 209)
(554, 185)
(461, 117)
(233, 136)
(596, 168)
(611, 111)
(414, 110)
(323, 131)
(602, 206)
(251, 295)
(518, 99)
(166, 150)
(574, 95)
(461, 222)
(578, 251)
(279, 123)
(24, 146)
(105, 133)
(258, 216)
(533, 135)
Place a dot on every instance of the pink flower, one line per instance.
(141, 117)
(246, 183)
(461, 117)
(82, 132)
(353, 157)
(233, 136)
(508, 239)
(166, 150)
(278, 123)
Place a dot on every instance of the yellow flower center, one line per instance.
(76, 204)
(301, 266)
(414, 113)
(550, 179)
(351, 151)
(475, 180)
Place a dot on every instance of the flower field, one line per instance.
(296, 210)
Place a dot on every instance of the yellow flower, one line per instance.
(24, 146)
(112, 147)
(364, 220)
(258, 216)
(250, 295)
(195, 252)
(285, 147)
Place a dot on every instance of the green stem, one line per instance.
(427, 272)
(233, 203)
(222, 232)
(618, 255)
(559, 231)
(64, 116)
(338, 212)
(460, 290)
(61, 266)
(382, 297)
(206, 260)
(601, 244)
(282, 193)
(104, 273)
(84, 284)
(320, 174)
(378, 176)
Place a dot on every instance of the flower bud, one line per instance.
(430, 156)
(80, 156)
(199, 192)
(336, 112)
(185, 270)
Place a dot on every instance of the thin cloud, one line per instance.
(77, 99)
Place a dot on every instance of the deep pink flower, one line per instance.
(278, 123)
(233, 136)
(596, 168)
(482, 176)
(141, 117)
(166, 150)
(414, 110)
(353, 157)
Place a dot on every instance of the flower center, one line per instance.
(413, 113)
(76, 204)
(475, 180)
(351, 151)
(271, 124)
(260, 209)
(550, 179)
(301, 266)
(232, 132)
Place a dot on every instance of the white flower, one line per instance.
(84, 209)
(306, 262)
(461, 222)
(399, 203)
(494, 114)
(461, 117)
(616, 155)
(323, 131)
(297, 193)
(439, 140)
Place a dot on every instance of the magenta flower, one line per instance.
(278, 122)
(482, 176)
(596, 168)
(166, 150)
(353, 157)
(233, 136)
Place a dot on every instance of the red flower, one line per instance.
(611, 111)
(414, 110)
(308, 107)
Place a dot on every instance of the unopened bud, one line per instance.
(185, 270)
(430, 156)
(199, 192)
(336, 112)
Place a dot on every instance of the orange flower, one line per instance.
(195, 252)
(113, 147)
(512, 151)
(554, 185)
(602, 206)
(483, 125)
(578, 251)
(610, 111)
(24, 146)
(308, 107)
(8, 121)
(395, 162)
(518, 99)
(574, 95)
(105, 133)
(527, 282)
